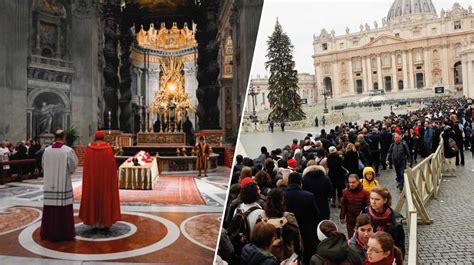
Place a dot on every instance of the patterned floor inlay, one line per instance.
(152, 234)
(14, 218)
(119, 230)
(202, 230)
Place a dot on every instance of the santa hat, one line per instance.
(100, 135)
(246, 181)
(292, 163)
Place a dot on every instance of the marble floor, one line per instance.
(149, 233)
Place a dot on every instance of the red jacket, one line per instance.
(353, 202)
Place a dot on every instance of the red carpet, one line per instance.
(172, 190)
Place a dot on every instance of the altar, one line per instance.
(161, 139)
(138, 177)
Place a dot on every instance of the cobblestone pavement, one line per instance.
(449, 240)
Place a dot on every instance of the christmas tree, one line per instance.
(285, 103)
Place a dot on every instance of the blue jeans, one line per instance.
(399, 170)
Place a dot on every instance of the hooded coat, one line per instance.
(320, 186)
(336, 250)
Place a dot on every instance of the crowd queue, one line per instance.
(279, 205)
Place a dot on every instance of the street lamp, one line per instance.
(253, 93)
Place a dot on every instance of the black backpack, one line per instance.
(239, 229)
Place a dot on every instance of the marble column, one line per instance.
(370, 85)
(319, 79)
(427, 66)
(364, 75)
(411, 74)
(465, 79)
(405, 69)
(379, 73)
(191, 85)
(351, 78)
(394, 73)
(336, 86)
(445, 67)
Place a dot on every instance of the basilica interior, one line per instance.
(153, 74)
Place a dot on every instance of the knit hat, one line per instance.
(321, 235)
(246, 181)
(292, 163)
(332, 150)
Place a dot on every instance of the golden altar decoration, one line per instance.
(171, 100)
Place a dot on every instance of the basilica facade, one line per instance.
(414, 47)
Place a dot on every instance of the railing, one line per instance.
(58, 64)
(422, 182)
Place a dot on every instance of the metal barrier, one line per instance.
(422, 182)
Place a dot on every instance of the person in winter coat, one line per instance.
(336, 174)
(428, 138)
(398, 156)
(351, 162)
(258, 252)
(383, 217)
(369, 181)
(449, 153)
(354, 199)
(303, 204)
(289, 234)
(362, 232)
(333, 247)
(315, 181)
(386, 141)
(382, 251)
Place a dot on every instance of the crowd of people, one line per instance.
(279, 204)
(27, 149)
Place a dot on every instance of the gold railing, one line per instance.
(422, 183)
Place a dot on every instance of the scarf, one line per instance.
(390, 260)
(381, 221)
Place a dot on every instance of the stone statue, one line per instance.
(375, 24)
(46, 115)
(347, 30)
(384, 21)
(442, 12)
(361, 27)
(367, 27)
(323, 32)
(333, 33)
(470, 9)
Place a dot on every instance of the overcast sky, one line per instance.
(301, 19)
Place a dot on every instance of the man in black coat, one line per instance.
(375, 151)
(303, 204)
(386, 141)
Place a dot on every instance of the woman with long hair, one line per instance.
(362, 232)
(384, 218)
(381, 250)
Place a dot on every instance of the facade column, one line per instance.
(394, 73)
(465, 78)
(427, 66)
(405, 69)
(139, 73)
(379, 73)
(369, 75)
(351, 78)
(336, 86)
(445, 67)
(319, 79)
(365, 87)
(411, 74)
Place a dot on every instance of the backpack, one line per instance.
(452, 145)
(284, 246)
(239, 229)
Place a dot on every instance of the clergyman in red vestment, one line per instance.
(100, 203)
(59, 162)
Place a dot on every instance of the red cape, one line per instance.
(100, 203)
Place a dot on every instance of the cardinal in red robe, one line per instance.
(100, 203)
